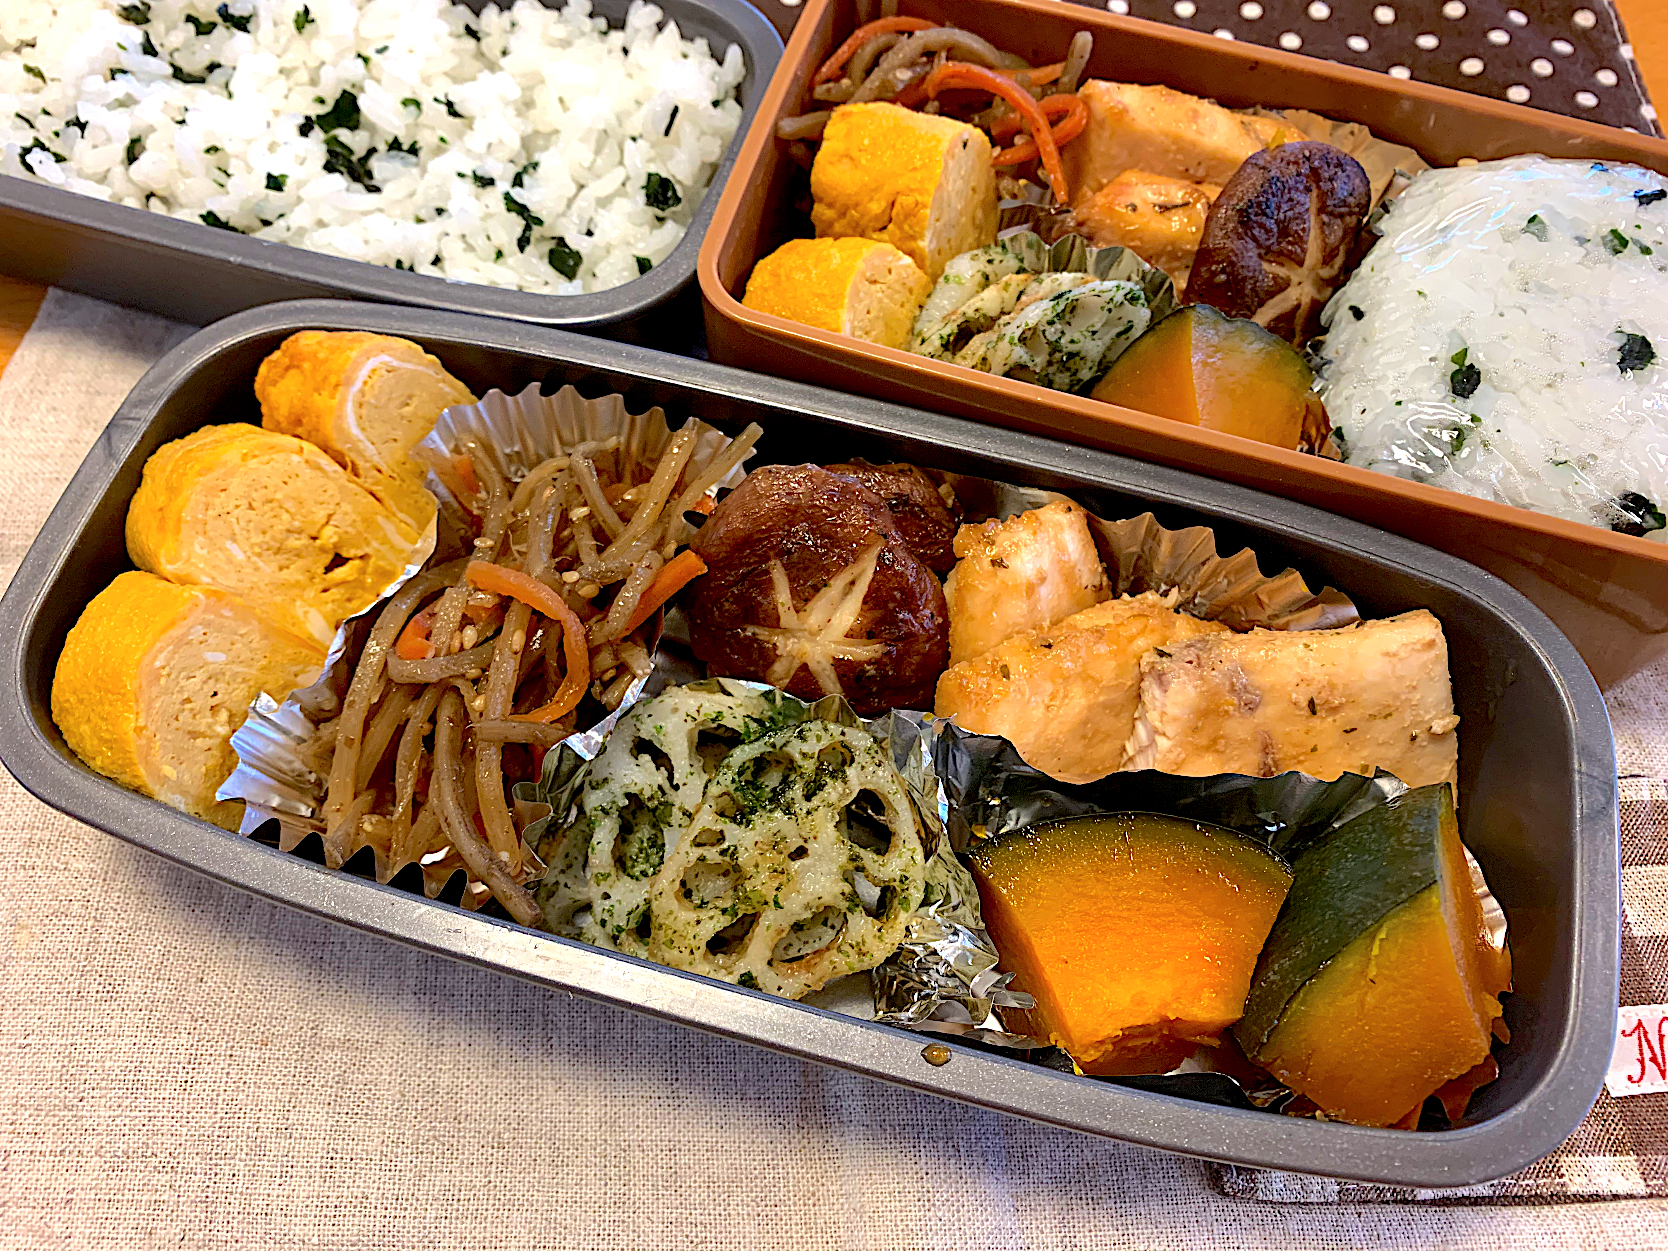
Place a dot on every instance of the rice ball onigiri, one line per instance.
(1504, 337)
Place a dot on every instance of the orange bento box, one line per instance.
(1607, 591)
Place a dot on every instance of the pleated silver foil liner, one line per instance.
(518, 432)
(274, 737)
(272, 776)
(275, 776)
(1025, 205)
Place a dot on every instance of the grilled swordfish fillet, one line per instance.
(1162, 131)
(1065, 696)
(1020, 575)
(1159, 218)
(1325, 702)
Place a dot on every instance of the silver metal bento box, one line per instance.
(195, 273)
(1537, 771)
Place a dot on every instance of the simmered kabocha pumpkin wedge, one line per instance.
(1380, 981)
(1136, 933)
(1204, 368)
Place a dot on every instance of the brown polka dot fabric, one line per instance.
(1566, 56)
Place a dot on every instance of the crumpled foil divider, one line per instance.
(990, 791)
(273, 776)
(943, 977)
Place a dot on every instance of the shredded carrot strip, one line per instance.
(1065, 130)
(413, 643)
(1053, 108)
(465, 469)
(912, 95)
(538, 596)
(1037, 76)
(674, 575)
(834, 65)
(916, 93)
(965, 74)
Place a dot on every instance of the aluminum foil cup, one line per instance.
(282, 766)
(1071, 254)
(1141, 555)
(989, 791)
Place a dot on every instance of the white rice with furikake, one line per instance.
(530, 148)
(1506, 337)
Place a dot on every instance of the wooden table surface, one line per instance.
(1647, 27)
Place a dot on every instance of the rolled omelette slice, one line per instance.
(367, 400)
(1021, 574)
(920, 182)
(154, 679)
(860, 287)
(1373, 695)
(270, 518)
(1065, 696)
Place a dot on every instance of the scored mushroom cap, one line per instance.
(811, 586)
(1276, 240)
(927, 518)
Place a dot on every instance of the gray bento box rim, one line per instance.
(1533, 660)
(194, 273)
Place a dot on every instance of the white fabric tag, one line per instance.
(1639, 1064)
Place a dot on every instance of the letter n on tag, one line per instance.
(1639, 1064)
